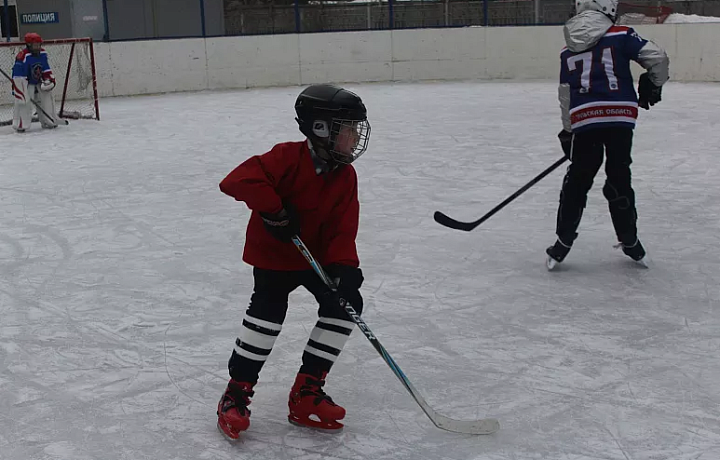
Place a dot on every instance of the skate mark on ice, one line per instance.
(167, 370)
(143, 228)
(615, 439)
(16, 248)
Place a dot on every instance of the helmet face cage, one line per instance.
(335, 120)
(348, 139)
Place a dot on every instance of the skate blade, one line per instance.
(644, 262)
(318, 426)
(227, 435)
(551, 263)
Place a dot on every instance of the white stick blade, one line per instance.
(484, 426)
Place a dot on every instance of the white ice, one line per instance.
(122, 287)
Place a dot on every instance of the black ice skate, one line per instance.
(635, 251)
(556, 254)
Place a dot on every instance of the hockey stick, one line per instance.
(484, 426)
(447, 221)
(37, 106)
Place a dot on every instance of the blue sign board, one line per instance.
(39, 18)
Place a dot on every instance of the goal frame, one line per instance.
(73, 42)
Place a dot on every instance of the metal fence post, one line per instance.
(486, 21)
(106, 37)
(447, 13)
(297, 17)
(391, 18)
(202, 16)
(6, 19)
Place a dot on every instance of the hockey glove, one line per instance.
(348, 281)
(282, 225)
(566, 143)
(48, 84)
(648, 93)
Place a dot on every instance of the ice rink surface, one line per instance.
(122, 287)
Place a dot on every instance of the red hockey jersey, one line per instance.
(327, 205)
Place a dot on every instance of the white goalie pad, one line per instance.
(20, 90)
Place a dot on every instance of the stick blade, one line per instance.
(477, 427)
(447, 221)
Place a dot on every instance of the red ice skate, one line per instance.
(310, 406)
(233, 413)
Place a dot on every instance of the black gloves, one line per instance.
(566, 142)
(348, 280)
(282, 225)
(648, 93)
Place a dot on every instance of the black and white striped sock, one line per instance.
(328, 338)
(252, 348)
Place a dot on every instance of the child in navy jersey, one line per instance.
(599, 108)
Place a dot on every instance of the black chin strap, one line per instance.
(322, 166)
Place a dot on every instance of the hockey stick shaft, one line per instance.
(448, 221)
(37, 106)
(486, 426)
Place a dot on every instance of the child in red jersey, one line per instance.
(309, 189)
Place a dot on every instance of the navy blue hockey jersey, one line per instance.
(601, 84)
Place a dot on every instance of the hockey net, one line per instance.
(72, 61)
(631, 14)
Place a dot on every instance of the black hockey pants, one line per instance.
(266, 314)
(587, 152)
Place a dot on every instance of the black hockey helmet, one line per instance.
(335, 120)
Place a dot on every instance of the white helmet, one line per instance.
(607, 7)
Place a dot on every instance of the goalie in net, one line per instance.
(72, 62)
(32, 84)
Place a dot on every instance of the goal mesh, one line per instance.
(632, 14)
(72, 61)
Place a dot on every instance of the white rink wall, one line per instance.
(144, 67)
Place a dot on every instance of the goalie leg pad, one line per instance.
(22, 115)
(46, 101)
(20, 90)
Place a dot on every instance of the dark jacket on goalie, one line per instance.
(326, 203)
(596, 85)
